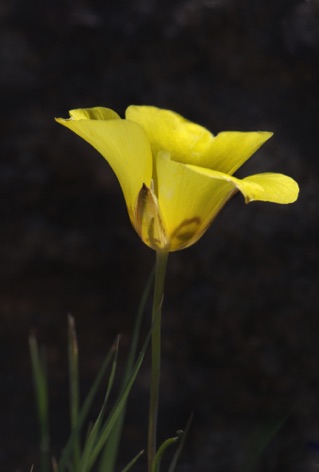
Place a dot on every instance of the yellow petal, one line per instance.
(276, 188)
(267, 187)
(193, 144)
(188, 201)
(167, 130)
(95, 113)
(122, 143)
(231, 149)
(190, 197)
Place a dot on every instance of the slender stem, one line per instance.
(161, 263)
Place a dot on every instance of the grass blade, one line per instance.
(263, 440)
(110, 453)
(91, 439)
(132, 462)
(42, 401)
(120, 403)
(73, 359)
(84, 412)
(178, 452)
(162, 449)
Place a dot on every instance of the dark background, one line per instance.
(241, 318)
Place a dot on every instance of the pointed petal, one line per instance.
(96, 113)
(193, 144)
(231, 149)
(122, 143)
(188, 200)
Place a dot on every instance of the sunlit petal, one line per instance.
(193, 144)
(276, 188)
(170, 131)
(188, 200)
(267, 187)
(231, 149)
(122, 143)
(95, 113)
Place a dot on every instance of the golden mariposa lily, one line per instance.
(175, 175)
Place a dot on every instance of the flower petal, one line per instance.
(122, 143)
(95, 113)
(276, 188)
(190, 197)
(193, 144)
(231, 149)
(188, 200)
(267, 187)
(167, 130)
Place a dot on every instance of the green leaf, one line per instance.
(181, 445)
(73, 360)
(42, 400)
(162, 449)
(119, 405)
(92, 436)
(132, 462)
(110, 453)
(262, 439)
(64, 460)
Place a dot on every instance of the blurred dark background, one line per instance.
(241, 318)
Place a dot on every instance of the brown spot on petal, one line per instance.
(186, 230)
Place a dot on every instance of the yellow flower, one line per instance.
(175, 175)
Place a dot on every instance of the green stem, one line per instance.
(160, 270)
